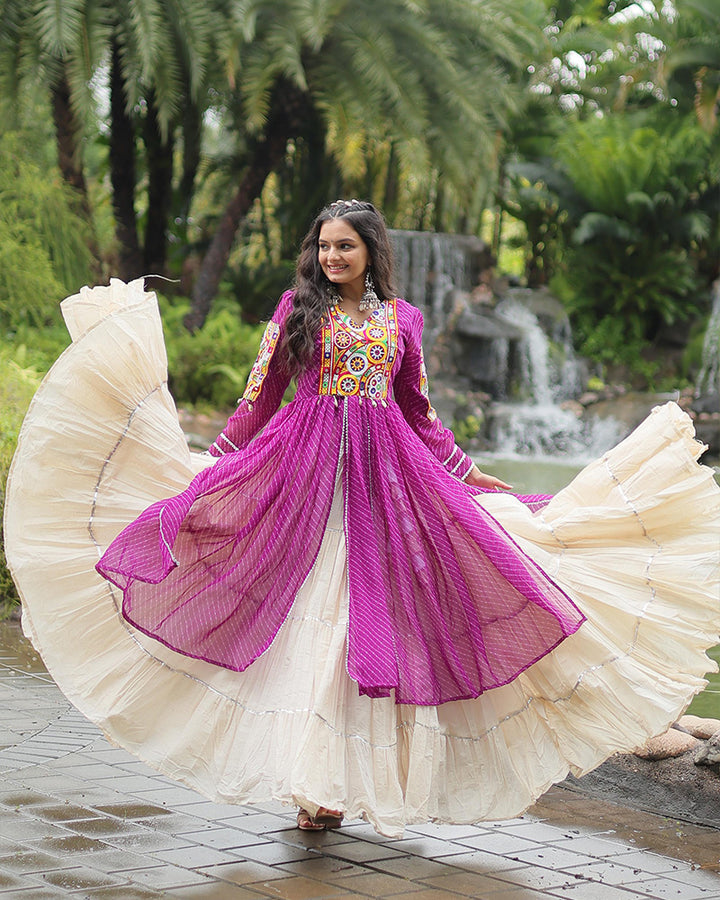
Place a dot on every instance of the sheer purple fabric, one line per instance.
(443, 604)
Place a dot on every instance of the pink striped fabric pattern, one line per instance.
(443, 605)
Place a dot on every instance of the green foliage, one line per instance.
(628, 267)
(210, 366)
(17, 386)
(466, 429)
(43, 249)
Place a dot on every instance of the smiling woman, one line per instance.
(344, 258)
(330, 608)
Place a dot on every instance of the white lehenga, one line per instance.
(634, 540)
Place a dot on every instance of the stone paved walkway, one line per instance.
(80, 818)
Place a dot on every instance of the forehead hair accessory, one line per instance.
(341, 207)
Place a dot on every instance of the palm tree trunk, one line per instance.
(290, 111)
(67, 131)
(191, 147)
(122, 173)
(215, 260)
(159, 156)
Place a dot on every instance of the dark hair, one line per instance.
(312, 297)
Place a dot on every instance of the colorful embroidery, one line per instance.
(262, 363)
(358, 359)
(431, 414)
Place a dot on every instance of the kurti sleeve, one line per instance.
(267, 382)
(411, 393)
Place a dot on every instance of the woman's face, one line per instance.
(343, 257)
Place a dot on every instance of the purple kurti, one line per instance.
(443, 605)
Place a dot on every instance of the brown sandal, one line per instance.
(305, 822)
(329, 818)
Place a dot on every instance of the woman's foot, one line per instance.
(330, 818)
(324, 818)
(305, 822)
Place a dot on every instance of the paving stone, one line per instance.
(650, 862)
(413, 867)
(79, 878)
(470, 884)
(552, 857)
(249, 871)
(481, 862)
(260, 823)
(72, 843)
(446, 832)
(10, 880)
(668, 889)
(295, 887)
(610, 872)
(364, 851)
(129, 892)
(426, 846)
(166, 877)
(600, 847)
(595, 891)
(274, 854)
(34, 861)
(376, 884)
(223, 838)
(499, 842)
(193, 857)
(133, 811)
(148, 842)
(325, 868)
(64, 812)
(217, 892)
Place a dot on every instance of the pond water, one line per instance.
(547, 476)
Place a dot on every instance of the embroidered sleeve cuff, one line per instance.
(455, 457)
(459, 463)
(468, 470)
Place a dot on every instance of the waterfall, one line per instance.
(519, 351)
(548, 373)
(430, 266)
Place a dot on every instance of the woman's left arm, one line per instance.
(412, 395)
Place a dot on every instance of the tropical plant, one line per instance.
(404, 87)
(629, 260)
(43, 245)
(154, 58)
(211, 365)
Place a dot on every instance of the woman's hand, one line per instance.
(479, 479)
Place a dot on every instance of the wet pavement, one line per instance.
(81, 818)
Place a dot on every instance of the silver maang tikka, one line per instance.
(369, 299)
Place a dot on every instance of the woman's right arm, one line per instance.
(267, 382)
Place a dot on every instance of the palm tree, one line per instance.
(427, 84)
(156, 56)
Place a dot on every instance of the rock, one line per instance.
(699, 727)
(671, 744)
(709, 753)
(588, 398)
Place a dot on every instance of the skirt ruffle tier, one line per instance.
(634, 540)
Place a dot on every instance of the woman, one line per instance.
(351, 620)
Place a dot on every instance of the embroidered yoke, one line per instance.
(443, 605)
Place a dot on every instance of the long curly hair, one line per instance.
(312, 298)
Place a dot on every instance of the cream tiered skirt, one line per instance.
(634, 540)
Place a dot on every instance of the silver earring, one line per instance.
(369, 299)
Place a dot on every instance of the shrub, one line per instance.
(43, 243)
(210, 366)
(17, 386)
